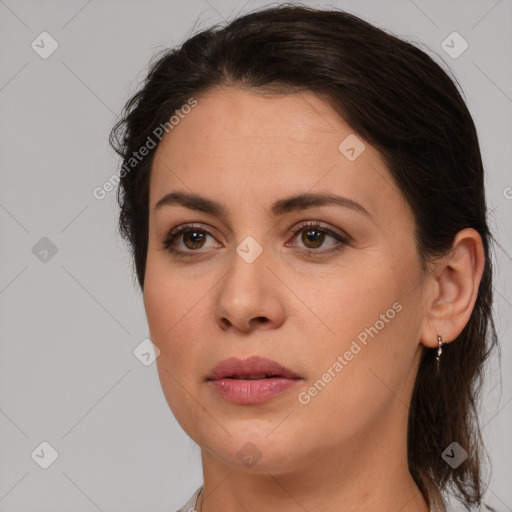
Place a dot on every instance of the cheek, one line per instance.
(351, 298)
(170, 308)
(371, 320)
(179, 311)
(354, 384)
(175, 330)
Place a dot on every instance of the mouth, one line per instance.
(252, 377)
(252, 368)
(251, 381)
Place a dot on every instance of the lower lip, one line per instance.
(252, 391)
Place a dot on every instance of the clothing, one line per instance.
(190, 506)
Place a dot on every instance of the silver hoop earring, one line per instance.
(439, 352)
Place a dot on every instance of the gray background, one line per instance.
(69, 325)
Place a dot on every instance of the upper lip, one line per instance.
(254, 365)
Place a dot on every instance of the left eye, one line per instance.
(314, 235)
(191, 239)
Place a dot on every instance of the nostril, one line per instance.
(225, 322)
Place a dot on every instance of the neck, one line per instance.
(361, 475)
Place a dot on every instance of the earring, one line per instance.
(439, 352)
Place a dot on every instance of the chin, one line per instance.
(255, 450)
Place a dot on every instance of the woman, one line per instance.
(303, 194)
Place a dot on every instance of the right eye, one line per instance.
(186, 240)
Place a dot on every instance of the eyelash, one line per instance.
(343, 240)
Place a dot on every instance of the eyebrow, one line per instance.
(280, 207)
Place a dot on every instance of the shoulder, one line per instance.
(190, 505)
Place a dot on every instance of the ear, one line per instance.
(454, 282)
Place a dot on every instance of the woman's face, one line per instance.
(339, 304)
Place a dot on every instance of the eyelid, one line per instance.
(171, 235)
(189, 226)
(341, 237)
(321, 227)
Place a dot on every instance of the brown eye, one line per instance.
(187, 240)
(313, 238)
(193, 239)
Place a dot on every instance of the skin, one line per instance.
(346, 448)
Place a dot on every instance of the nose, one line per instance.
(249, 297)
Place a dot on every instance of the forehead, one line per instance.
(234, 116)
(235, 140)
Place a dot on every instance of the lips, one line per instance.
(252, 368)
(251, 381)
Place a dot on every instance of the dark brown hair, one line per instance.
(400, 101)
